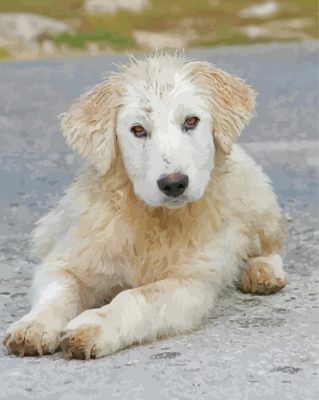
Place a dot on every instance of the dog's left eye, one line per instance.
(190, 123)
(138, 131)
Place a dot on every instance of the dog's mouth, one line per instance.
(175, 202)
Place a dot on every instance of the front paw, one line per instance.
(263, 275)
(31, 338)
(90, 335)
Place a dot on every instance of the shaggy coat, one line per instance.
(121, 262)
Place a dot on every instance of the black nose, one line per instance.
(173, 185)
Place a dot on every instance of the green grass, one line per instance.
(53, 8)
(206, 20)
(234, 40)
(80, 39)
(214, 22)
(4, 53)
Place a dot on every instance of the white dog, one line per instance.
(169, 213)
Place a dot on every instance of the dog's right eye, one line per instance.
(190, 123)
(138, 131)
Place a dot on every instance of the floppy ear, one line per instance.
(89, 125)
(232, 102)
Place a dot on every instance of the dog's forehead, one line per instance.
(160, 68)
(158, 81)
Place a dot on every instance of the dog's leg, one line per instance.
(173, 305)
(58, 297)
(263, 275)
(141, 314)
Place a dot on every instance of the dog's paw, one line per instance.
(90, 335)
(30, 338)
(80, 343)
(263, 275)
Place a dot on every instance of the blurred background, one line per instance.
(31, 29)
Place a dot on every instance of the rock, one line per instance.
(280, 29)
(262, 10)
(112, 6)
(93, 48)
(157, 40)
(23, 29)
(48, 48)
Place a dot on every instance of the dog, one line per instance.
(168, 213)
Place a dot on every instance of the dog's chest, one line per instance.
(157, 245)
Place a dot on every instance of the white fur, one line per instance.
(116, 239)
(167, 149)
(52, 291)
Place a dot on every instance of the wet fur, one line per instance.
(161, 269)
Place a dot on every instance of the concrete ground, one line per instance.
(251, 347)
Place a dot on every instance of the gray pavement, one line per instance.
(250, 347)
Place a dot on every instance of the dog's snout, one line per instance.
(173, 185)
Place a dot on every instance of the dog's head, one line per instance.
(166, 117)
